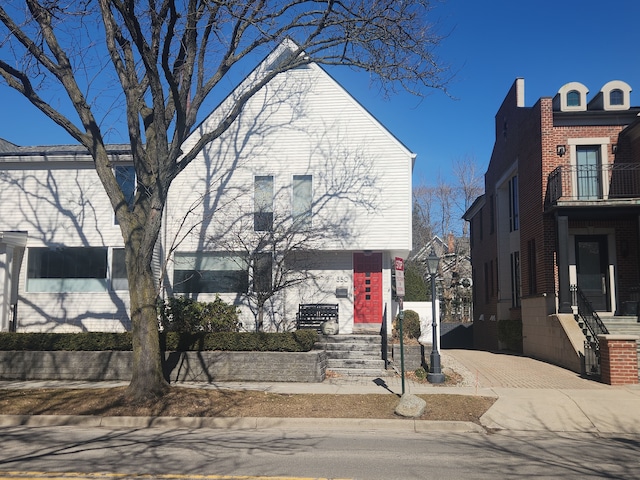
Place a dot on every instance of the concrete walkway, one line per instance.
(532, 396)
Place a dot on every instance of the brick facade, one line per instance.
(619, 359)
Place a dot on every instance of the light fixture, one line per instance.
(435, 374)
(614, 148)
(561, 150)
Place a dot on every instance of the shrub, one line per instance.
(510, 334)
(185, 315)
(298, 341)
(410, 325)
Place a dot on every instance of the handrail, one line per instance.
(385, 339)
(588, 314)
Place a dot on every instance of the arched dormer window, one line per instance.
(616, 97)
(573, 98)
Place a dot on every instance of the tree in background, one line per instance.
(437, 211)
(156, 64)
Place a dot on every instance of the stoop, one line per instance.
(354, 355)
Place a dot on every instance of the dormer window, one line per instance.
(573, 98)
(616, 97)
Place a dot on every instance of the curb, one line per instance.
(240, 423)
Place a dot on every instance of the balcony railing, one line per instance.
(593, 182)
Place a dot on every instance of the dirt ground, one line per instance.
(193, 402)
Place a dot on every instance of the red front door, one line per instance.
(367, 288)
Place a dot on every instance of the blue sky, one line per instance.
(489, 44)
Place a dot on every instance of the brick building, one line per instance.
(555, 237)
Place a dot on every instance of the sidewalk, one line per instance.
(532, 396)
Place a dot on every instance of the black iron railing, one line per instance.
(592, 326)
(593, 182)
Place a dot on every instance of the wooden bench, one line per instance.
(313, 315)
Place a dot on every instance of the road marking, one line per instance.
(30, 475)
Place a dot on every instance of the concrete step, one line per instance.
(354, 363)
(360, 339)
(362, 372)
(340, 354)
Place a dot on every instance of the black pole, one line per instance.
(435, 374)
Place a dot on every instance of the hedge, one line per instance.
(297, 341)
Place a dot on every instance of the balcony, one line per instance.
(609, 185)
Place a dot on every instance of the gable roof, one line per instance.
(283, 51)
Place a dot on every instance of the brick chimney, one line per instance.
(450, 243)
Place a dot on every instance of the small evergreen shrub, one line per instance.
(410, 325)
(185, 315)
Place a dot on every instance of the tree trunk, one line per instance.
(147, 381)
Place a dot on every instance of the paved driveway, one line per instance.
(488, 369)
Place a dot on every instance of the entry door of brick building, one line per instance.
(367, 288)
(592, 265)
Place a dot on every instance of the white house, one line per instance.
(306, 191)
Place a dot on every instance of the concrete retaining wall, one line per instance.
(179, 366)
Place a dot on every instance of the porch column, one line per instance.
(564, 294)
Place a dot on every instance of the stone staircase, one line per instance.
(624, 325)
(354, 355)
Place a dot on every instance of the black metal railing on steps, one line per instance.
(592, 327)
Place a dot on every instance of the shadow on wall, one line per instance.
(456, 335)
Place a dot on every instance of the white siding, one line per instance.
(61, 204)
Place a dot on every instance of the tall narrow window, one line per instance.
(532, 260)
(126, 178)
(119, 279)
(514, 205)
(492, 214)
(302, 200)
(589, 182)
(262, 272)
(263, 203)
(515, 279)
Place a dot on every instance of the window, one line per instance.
(573, 98)
(486, 282)
(480, 223)
(263, 203)
(262, 272)
(67, 269)
(616, 97)
(532, 257)
(211, 272)
(514, 205)
(119, 280)
(492, 214)
(588, 183)
(515, 279)
(126, 178)
(302, 200)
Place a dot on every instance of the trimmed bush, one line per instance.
(185, 315)
(298, 341)
(410, 325)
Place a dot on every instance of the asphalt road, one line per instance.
(316, 454)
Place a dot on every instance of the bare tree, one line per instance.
(468, 184)
(167, 60)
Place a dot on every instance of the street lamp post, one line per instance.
(435, 374)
